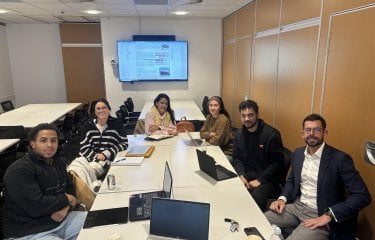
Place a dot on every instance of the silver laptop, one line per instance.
(192, 142)
(140, 204)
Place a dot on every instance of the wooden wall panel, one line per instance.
(83, 64)
(265, 75)
(297, 57)
(245, 20)
(80, 33)
(227, 87)
(84, 76)
(348, 101)
(293, 11)
(242, 75)
(267, 14)
(229, 28)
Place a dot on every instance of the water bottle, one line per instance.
(203, 146)
(277, 235)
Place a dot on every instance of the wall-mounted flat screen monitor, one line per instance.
(152, 60)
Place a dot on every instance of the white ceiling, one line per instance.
(55, 11)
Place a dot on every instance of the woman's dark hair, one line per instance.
(93, 104)
(169, 109)
(221, 104)
(43, 126)
(314, 117)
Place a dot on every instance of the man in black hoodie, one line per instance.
(39, 195)
(258, 155)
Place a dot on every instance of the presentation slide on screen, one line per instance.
(152, 60)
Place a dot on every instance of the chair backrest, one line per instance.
(9, 132)
(7, 106)
(128, 106)
(124, 111)
(120, 116)
(85, 111)
(205, 109)
(131, 104)
(287, 162)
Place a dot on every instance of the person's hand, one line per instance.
(72, 200)
(254, 183)
(211, 134)
(314, 223)
(244, 181)
(172, 131)
(278, 206)
(100, 157)
(154, 128)
(60, 215)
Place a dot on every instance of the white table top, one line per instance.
(181, 109)
(228, 198)
(5, 143)
(33, 114)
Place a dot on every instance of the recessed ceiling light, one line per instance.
(3, 11)
(180, 13)
(92, 11)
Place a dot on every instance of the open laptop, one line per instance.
(193, 141)
(140, 204)
(179, 219)
(208, 165)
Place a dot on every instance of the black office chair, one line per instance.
(130, 107)
(15, 132)
(7, 106)
(205, 109)
(129, 127)
(86, 111)
(127, 117)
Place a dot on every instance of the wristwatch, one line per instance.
(329, 212)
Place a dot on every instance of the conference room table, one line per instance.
(182, 108)
(5, 143)
(33, 114)
(227, 198)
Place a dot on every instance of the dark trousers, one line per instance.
(264, 192)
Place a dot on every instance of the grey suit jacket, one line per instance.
(340, 187)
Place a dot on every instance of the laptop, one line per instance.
(208, 165)
(193, 142)
(140, 204)
(179, 219)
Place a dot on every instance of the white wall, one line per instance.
(204, 37)
(36, 63)
(6, 84)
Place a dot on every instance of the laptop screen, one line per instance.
(180, 219)
(167, 183)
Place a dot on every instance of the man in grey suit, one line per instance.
(324, 191)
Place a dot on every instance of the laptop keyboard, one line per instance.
(222, 172)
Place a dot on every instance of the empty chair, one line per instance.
(7, 106)
(205, 109)
(130, 107)
(15, 132)
(127, 117)
(129, 127)
(85, 111)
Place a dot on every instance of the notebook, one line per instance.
(157, 137)
(140, 151)
(106, 217)
(127, 161)
(140, 204)
(179, 219)
(193, 142)
(208, 165)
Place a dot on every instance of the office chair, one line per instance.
(205, 109)
(130, 107)
(129, 127)
(7, 106)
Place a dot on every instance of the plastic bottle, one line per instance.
(277, 235)
(203, 145)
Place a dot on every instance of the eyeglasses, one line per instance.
(314, 130)
(101, 108)
(234, 226)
